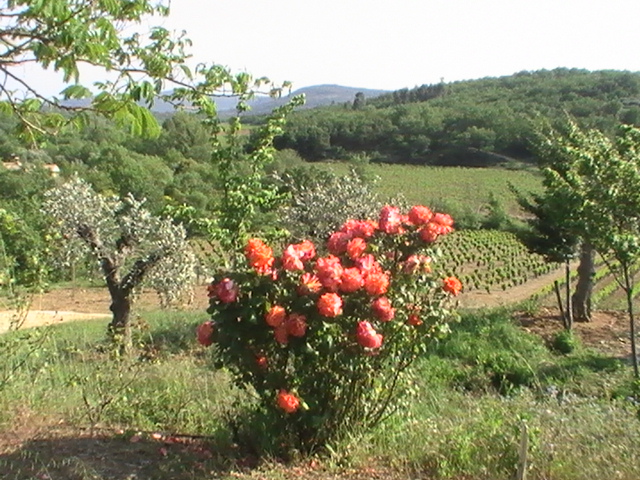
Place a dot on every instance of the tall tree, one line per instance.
(601, 176)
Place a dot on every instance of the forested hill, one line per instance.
(474, 122)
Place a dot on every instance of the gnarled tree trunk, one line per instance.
(584, 287)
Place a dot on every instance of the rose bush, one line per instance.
(325, 341)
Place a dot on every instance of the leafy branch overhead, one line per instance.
(63, 35)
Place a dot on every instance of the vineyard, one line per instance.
(494, 262)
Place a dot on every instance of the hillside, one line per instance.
(480, 122)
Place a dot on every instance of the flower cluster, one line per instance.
(293, 324)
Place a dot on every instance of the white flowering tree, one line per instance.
(131, 245)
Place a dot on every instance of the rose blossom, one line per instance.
(309, 283)
(452, 285)
(414, 320)
(429, 233)
(376, 283)
(337, 243)
(281, 334)
(356, 247)
(351, 280)
(226, 290)
(262, 362)
(296, 325)
(204, 333)
(420, 215)
(390, 219)
(287, 401)
(275, 316)
(291, 259)
(329, 272)
(330, 305)
(359, 228)
(259, 255)
(382, 309)
(367, 336)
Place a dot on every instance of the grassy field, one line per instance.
(70, 409)
(458, 187)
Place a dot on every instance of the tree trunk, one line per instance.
(628, 290)
(569, 309)
(120, 326)
(582, 295)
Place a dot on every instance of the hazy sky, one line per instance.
(404, 43)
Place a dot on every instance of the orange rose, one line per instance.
(356, 247)
(429, 233)
(420, 215)
(275, 316)
(309, 283)
(330, 305)
(376, 283)
(259, 255)
(351, 280)
(452, 285)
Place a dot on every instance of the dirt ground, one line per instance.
(65, 305)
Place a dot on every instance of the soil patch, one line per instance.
(607, 332)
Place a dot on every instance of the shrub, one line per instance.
(564, 342)
(327, 344)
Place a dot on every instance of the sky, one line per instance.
(402, 43)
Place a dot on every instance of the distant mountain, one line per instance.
(316, 96)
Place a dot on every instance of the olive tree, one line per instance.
(131, 246)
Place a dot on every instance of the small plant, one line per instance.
(326, 342)
(565, 342)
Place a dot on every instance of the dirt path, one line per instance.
(65, 305)
(481, 299)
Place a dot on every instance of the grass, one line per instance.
(103, 417)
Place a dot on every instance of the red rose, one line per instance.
(287, 401)
(204, 333)
(296, 325)
(226, 290)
